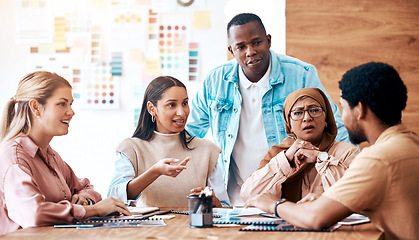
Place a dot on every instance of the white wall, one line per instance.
(94, 134)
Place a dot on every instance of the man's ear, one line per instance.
(360, 111)
(230, 50)
(151, 108)
(268, 36)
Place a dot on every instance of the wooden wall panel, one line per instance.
(335, 36)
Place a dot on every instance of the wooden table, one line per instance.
(178, 228)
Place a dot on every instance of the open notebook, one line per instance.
(284, 227)
(142, 210)
(121, 218)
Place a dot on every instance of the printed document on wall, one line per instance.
(34, 21)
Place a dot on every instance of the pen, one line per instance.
(198, 203)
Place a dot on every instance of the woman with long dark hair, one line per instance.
(161, 162)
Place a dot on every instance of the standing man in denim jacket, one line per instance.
(241, 101)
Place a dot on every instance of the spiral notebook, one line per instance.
(284, 227)
(249, 220)
(114, 224)
(116, 219)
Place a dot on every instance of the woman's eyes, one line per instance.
(185, 103)
(314, 110)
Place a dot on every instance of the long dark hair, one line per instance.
(156, 88)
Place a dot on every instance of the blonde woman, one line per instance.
(37, 188)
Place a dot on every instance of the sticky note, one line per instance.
(152, 67)
(201, 19)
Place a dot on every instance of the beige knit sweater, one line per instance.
(166, 191)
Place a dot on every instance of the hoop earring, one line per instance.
(153, 118)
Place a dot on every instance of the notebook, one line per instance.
(115, 224)
(141, 223)
(285, 227)
(120, 218)
(248, 220)
(142, 210)
(353, 219)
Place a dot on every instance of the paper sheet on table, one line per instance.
(228, 212)
(354, 219)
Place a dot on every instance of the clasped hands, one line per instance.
(301, 152)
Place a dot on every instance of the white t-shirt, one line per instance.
(251, 144)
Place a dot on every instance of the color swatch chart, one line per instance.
(153, 30)
(116, 64)
(101, 89)
(77, 87)
(59, 34)
(193, 61)
(96, 32)
(79, 20)
(173, 39)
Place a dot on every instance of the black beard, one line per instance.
(356, 136)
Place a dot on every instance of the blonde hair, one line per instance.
(17, 115)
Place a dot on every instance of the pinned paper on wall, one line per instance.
(173, 38)
(57, 63)
(59, 34)
(77, 83)
(128, 28)
(153, 31)
(163, 5)
(96, 46)
(46, 48)
(202, 19)
(100, 88)
(116, 64)
(135, 55)
(143, 2)
(137, 95)
(79, 44)
(120, 2)
(34, 21)
(152, 68)
(193, 61)
(97, 4)
(79, 19)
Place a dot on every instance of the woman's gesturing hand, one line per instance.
(164, 167)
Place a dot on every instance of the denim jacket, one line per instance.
(217, 104)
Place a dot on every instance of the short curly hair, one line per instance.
(379, 86)
(243, 18)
